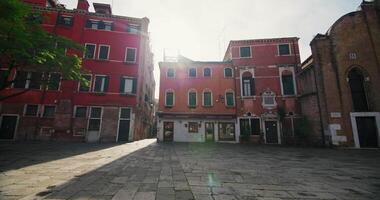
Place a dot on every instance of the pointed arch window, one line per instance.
(358, 93)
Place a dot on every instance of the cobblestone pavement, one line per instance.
(146, 170)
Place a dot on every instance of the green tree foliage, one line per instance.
(24, 45)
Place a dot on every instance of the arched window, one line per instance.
(170, 73)
(207, 98)
(248, 84)
(228, 72)
(192, 98)
(207, 72)
(287, 82)
(358, 94)
(169, 98)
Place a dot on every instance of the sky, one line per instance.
(201, 29)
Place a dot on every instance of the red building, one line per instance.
(117, 105)
(250, 95)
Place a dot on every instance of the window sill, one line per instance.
(127, 94)
(168, 106)
(99, 93)
(249, 97)
(102, 60)
(130, 62)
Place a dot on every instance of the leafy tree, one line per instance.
(25, 45)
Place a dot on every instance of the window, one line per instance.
(80, 112)
(192, 99)
(248, 84)
(169, 98)
(65, 20)
(83, 87)
(227, 72)
(250, 126)
(133, 28)
(99, 25)
(103, 52)
(226, 131)
(130, 55)
(101, 83)
(245, 52)
(358, 92)
(193, 127)
(31, 110)
(170, 73)
(287, 84)
(283, 49)
(54, 81)
(207, 72)
(93, 24)
(28, 80)
(125, 113)
(3, 78)
(207, 99)
(230, 101)
(95, 119)
(269, 99)
(128, 85)
(49, 111)
(108, 26)
(192, 72)
(90, 51)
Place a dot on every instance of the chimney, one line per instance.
(83, 5)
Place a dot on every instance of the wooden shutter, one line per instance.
(134, 86)
(122, 85)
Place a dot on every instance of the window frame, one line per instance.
(266, 95)
(166, 92)
(85, 53)
(188, 72)
(126, 55)
(101, 118)
(196, 127)
(204, 72)
(188, 98)
(25, 109)
(250, 51)
(103, 83)
(283, 86)
(108, 52)
(203, 98)
(60, 18)
(232, 72)
(233, 98)
(278, 49)
(59, 83)
(90, 84)
(76, 110)
(133, 81)
(167, 73)
(44, 109)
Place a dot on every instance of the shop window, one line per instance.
(226, 131)
(193, 127)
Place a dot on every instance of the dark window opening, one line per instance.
(284, 49)
(359, 98)
(288, 84)
(245, 52)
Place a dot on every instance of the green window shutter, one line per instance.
(228, 72)
(245, 52)
(284, 49)
(122, 85)
(169, 99)
(230, 99)
(287, 84)
(207, 99)
(192, 99)
(134, 86)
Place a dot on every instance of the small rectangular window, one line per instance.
(128, 85)
(193, 127)
(133, 28)
(65, 20)
(103, 52)
(169, 99)
(80, 112)
(130, 55)
(245, 52)
(283, 49)
(108, 26)
(125, 113)
(170, 73)
(228, 72)
(31, 110)
(49, 111)
(90, 51)
(34, 80)
(95, 119)
(85, 88)
(230, 99)
(192, 72)
(101, 83)
(206, 72)
(207, 99)
(269, 100)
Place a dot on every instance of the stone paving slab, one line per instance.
(185, 171)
